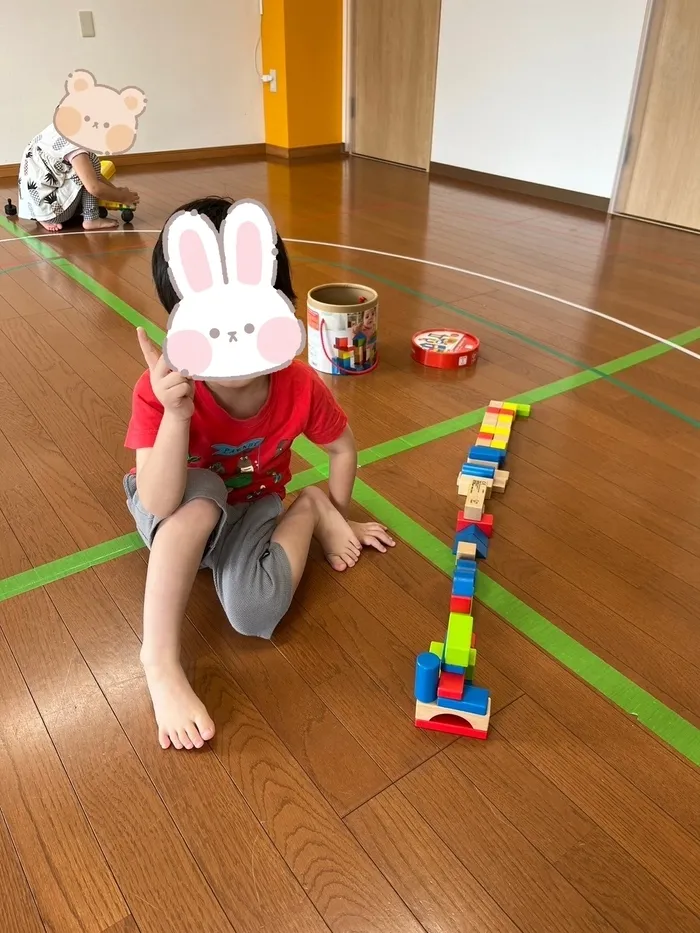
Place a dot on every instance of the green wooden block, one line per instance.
(459, 639)
(438, 648)
(472, 657)
(524, 411)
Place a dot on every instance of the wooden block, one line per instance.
(510, 406)
(465, 549)
(456, 722)
(500, 480)
(438, 648)
(459, 638)
(474, 700)
(464, 484)
(462, 604)
(499, 445)
(475, 498)
(485, 524)
(484, 440)
(524, 411)
(490, 420)
(501, 430)
(451, 686)
(493, 404)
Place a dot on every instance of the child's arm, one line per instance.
(95, 184)
(161, 470)
(342, 455)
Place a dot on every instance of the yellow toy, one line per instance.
(127, 211)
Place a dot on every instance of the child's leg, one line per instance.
(178, 546)
(176, 555)
(90, 207)
(260, 563)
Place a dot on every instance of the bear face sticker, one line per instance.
(230, 322)
(98, 117)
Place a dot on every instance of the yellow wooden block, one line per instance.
(499, 445)
(510, 406)
(502, 431)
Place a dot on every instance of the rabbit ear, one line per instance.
(249, 245)
(193, 252)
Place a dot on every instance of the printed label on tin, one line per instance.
(444, 341)
(342, 343)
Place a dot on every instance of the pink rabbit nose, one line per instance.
(188, 352)
(279, 340)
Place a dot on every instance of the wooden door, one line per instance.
(394, 64)
(661, 178)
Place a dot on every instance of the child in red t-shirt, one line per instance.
(212, 461)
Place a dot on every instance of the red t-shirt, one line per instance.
(252, 456)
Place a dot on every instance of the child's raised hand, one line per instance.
(174, 391)
(372, 534)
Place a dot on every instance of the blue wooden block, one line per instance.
(465, 566)
(474, 536)
(490, 454)
(470, 469)
(474, 700)
(454, 669)
(463, 586)
(427, 676)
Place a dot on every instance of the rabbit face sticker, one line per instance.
(98, 117)
(230, 322)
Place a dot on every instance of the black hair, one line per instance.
(216, 210)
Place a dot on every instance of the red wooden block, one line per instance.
(450, 686)
(485, 523)
(494, 411)
(452, 727)
(461, 604)
(484, 440)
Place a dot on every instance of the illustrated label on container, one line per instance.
(445, 349)
(342, 343)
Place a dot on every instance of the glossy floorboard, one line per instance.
(318, 806)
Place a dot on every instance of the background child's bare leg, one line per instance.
(313, 515)
(175, 557)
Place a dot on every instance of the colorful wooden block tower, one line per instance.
(446, 698)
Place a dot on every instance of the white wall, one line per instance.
(537, 90)
(193, 58)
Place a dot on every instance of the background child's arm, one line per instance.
(161, 470)
(342, 454)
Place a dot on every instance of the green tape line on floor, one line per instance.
(66, 566)
(629, 696)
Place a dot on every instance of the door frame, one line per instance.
(348, 74)
(651, 31)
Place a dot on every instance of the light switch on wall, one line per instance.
(87, 24)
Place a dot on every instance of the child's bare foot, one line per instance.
(181, 716)
(51, 226)
(336, 537)
(100, 223)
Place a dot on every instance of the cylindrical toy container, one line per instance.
(342, 329)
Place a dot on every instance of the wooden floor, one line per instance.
(318, 806)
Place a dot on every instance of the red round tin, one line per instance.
(445, 349)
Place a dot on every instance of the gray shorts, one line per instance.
(252, 575)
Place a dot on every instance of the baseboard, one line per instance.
(251, 150)
(306, 152)
(532, 189)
